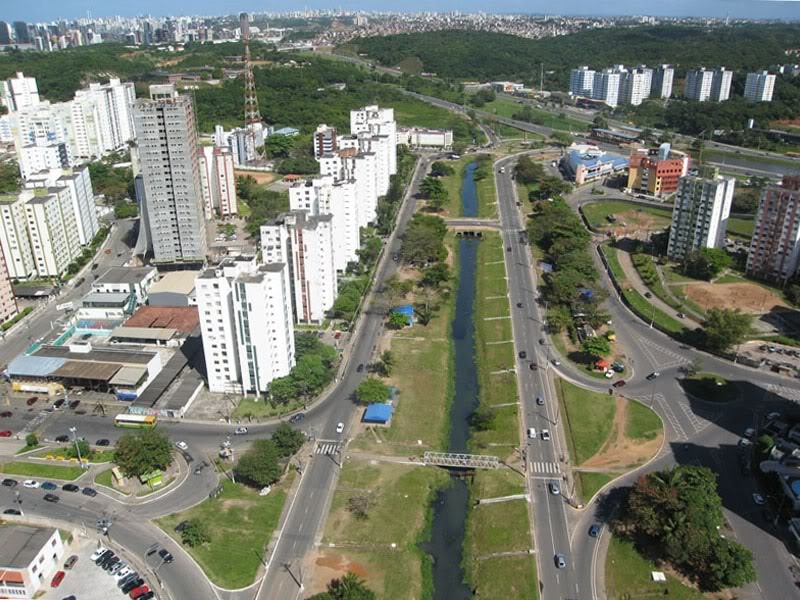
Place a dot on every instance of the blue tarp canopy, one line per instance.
(377, 413)
(34, 366)
(407, 310)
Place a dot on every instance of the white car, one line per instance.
(759, 499)
(340, 428)
(240, 431)
(545, 435)
(532, 433)
(123, 573)
(97, 553)
(609, 374)
(556, 362)
(30, 484)
(182, 445)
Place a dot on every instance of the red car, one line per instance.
(6, 414)
(57, 579)
(619, 384)
(136, 592)
(32, 400)
(6, 433)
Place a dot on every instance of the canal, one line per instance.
(450, 506)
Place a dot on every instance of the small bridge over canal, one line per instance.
(461, 461)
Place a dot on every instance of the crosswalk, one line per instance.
(326, 448)
(548, 468)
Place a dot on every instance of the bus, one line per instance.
(135, 421)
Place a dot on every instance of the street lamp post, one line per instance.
(74, 432)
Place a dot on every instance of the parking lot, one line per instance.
(86, 581)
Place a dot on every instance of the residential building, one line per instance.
(698, 84)
(42, 156)
(421, 137)
(246, 323)
(218, 182)
(8, 303)
(775, 246)
(305, 243)
(581, 82)
(5, 33)
(53, 230)
(28, 557)
(18, 93)
(606, 86)
(324, 141)
(323, 195)
(656, 171)
(102, 118)
(635, 85)
(78, 185)
(584, 163)
(759, 86)
(135, 281)
(662, 81)
(167, 137)
(362, 168)
(700, 215)
(378, 122)
(721, 85)
(14, 242)
(241, 142)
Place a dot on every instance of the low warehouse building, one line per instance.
(28, 556)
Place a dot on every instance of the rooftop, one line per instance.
(143, 333)
(176, 282)
(129, 357)
(20, 544)
(183, 319)
(129, 275)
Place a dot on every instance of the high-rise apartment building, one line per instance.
(581, 82)
(167, 137)
(305, 243)
(364, 169)
(14, 242)
(324, 196)
(8, 303)
(656, 171)
(698, 84)
(662, 81)
(759, 87)
(78, 185)
(246, 323)
(324, 141)
(218, 182)
(19, 92)
(42, 156)
(775, 246)
(635, 85)
(103, 114)
(700, 215)
(53, 230)
(721, 85)
(378, 123)
(21, 32)
(5, 33)
(606, 86)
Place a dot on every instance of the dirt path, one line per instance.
(619, 452)
(329, 564)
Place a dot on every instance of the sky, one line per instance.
(51, 10)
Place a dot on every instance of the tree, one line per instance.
(425, 311)
(730, 565)
(596, 346)
(725, 328)
(388, 360)
(137, 453)
(278, 146)
(561, 138)
(259, 466)
(309, 374)
(764, 444)
(84, 448)
(441, 169)
(528, 171)
(600, 122)
(434, 191)
(372, 390)
(398, 320)
(359, 505)
(423, 241)
(31, 440)
(282, 389)
(195, 533)
(707, 263)
(287, 440)
(483, 418)
(435, 275)
(349, 587)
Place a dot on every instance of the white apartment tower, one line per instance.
(53, 230)
(110, 106)
(377, 122)
(324, 141)
(635, 85)
(698, 84)
(759, 87)
(581, 82)
(8, 304)
(35, 158)
(306, 244)
(246, 323)
(14, 242)
(78, 186)
(218, 182)
(19, 92)
(363, 168)
(172, 187)
(662, 81)
(606, 86)
(774, 252)
(721, 85)
(700, 215)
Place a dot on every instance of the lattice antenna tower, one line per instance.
(252, 116)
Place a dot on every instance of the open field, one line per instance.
(399, 497)
(590, 482)
(506, 577)
(240, 523)
(747, 297)
(588, 418)
(505, 107)
(631, 218)
(41, 470)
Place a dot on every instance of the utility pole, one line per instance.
(74, 432)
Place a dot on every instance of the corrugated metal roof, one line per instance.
(143, 333)
(91, 371)
(128, 376)
(34, 366)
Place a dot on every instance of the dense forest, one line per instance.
(484, 55)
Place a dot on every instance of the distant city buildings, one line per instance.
(173, 216)
(700, 215)
(775, 246)
(618, 85)
(246, 323)
(759, 87)
(656, 171)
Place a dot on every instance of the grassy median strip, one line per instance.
(506, 577)
(588, 417)
(398, 499)
(642, 423)
(628, 576)
(240, 523)
(589, 483)
(42, 470)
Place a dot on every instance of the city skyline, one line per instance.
(72, 9)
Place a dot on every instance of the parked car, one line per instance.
(32, 400)
(619, 384)
(759, 499)
(70, 562)
(132, 584)
(749, 432)
(10, 482)
(181, 526)
(533, 366)
(97, 554)
(70, 487)
(30, 484)
(6, 433)
(123, 581)
(87, 491)
(51, 498)
(74, 404)
(58, 403)
(62, 438)
(57, 579)
(5, 414)
(523, 354)
(12, 511)
(147, 596)
(140, 591)
(49, 486)
(102, 442)
(123, 573)
(166, 556)
(532, 433)
(240, 431)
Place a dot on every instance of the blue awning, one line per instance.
(377, 413)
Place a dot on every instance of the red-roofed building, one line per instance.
(184, 319)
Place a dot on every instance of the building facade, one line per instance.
(581, 82)
(721, 85)
(218, 182)
(14, 241)
(698, 84)
(28, 557)
(378, 122)
(663, 76)
(19, 92)
(775, 246)
(8, 303)
(656, 171)
(700, 215)
(305, 243)
(324, 141)
(167, 136)
(759, 87)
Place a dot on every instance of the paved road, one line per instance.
(307, 516)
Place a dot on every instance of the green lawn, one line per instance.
(260, 409)
(741, 227)
(628, 576)
(590, 483)
(506, 108)
(596, 212)
(498, 527)
(41, 470)
(613, 263)
(27, 448)
(642, 423)
(648, 312)
(588, 417)
(721, 156)
(241, 524)
(105, 478)
(497, 483)
(506, 577)
(453, 184)
(710, 387)
(400, 497)
(96, 457)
